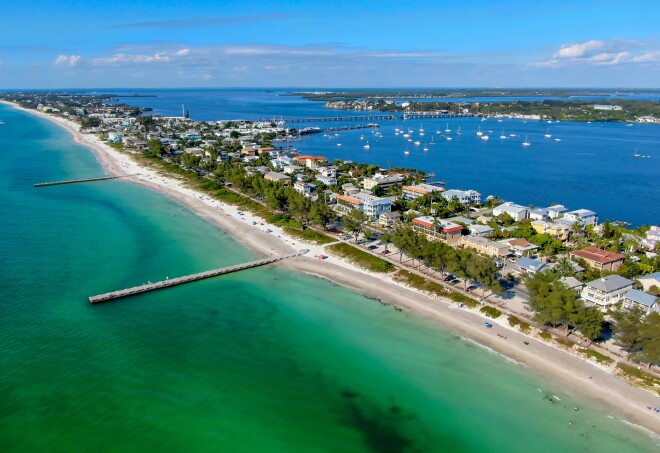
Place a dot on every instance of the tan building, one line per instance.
(419, 190)
(555, 230)
(445, 230)
(277, 177)
(599, 258)
(311, 161)
(485, 246)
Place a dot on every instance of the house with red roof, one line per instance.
(599, 258)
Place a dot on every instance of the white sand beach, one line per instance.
(572, 374)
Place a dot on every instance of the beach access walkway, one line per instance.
(189, 278)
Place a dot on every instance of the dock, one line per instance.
(76, 181)
(189, 278)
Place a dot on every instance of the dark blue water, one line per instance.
(591, 167)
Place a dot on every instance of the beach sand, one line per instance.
(574, 375)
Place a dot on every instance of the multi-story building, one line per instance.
(599, 258)
(384, 181)
(485, 246)
(514, 210)
(583, 216)
(419, 190)
(372, 206)
(607, 291)
(449, 232)
(467, 197)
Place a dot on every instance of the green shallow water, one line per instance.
(264, 360)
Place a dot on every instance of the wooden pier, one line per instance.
(188, 278)
(76, 181)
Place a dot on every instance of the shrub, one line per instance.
(361, 258)
(600, 358)
(546, 335)
(491, 312)
(524, 327)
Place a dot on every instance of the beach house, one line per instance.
(485, 246)
(635, 298)
(466, 197)
(516, 211)
(433, 228)
(372, 206)
(607, 291)
(649, 281)
(584, 217)
(599, 258)
(383, 181)
(419, 190)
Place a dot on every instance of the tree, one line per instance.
(320, 214)
(300, 206)
(354, 222)
(386, 239)
(156, 147)
(505, 219)
(627, 329)
(650, 343)
(590, 323)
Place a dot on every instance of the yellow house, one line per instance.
(556, 230)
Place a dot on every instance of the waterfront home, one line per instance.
(304, 188)
(419, 190)
(652, 238)
(372, 206)
(485, 246)
(526, 265)
(480, 230)
(282, 161)
(383, 181)
(292, 169)
(434, 228)
(516, 211)
(389, 219)
(572, 283)
(649, 281)
(556, 230)
(328, 172)
(466, 197)
(599, 258)
(311, 161)
(539, 214)
(520, 246)
(277, 177)
(349, 188)
(635, 298)
(584, 217)
(607, 291)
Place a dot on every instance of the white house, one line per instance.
(583, 216)
(556, 211)
(372, 206)
(636, 298)
(467, 197)
(606, 291)
(514, 210)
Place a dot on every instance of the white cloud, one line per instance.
(67, 60)
(182, 52)
(596, 52)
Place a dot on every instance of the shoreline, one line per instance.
(545, 361)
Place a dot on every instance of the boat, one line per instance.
(361, 137)
(410, 139)
(637, 155)
(421, 128)
(479, 133)
(449, 138)
(513, 135)
(417, 143)
(421, 133)
(558, 139)
(406, 135)
(548, 134)
(367, 146)
(458, 132)
(425, 147)
(503, 137)
(526, 142)
(485, 137)
(406, 152)
(338, 144)
(447, 130)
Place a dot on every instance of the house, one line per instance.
(449, 232)
(520, 247)
(372, 206)
(556, 211)
(311, 161)
(254, 170)
(529, 266)
(389, 219)
(636, 298)
(480, 230)
(649, 281)
(485, 246)
(572, 283)
(554, 229)
(583, 216)
(304, 188)
(291, 169)
(328, 172)
(539, 214)
(383, 181)
(419, 190)
(599, 259)
(277, 177)
(327, 180)
(466, 197)
(514, 210)
(606, 291)
(651, 240)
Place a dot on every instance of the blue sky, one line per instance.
(75, 43)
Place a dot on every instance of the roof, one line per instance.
(597, 255)
(610, 283)
(311, 158)
(583, 213)
(444, 225)
(641, 298)
(423, 188)
(571, 282)
(655, 276)
(518, 242)
(511, 207)
(529, 264)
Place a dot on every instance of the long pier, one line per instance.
(76, 181)
(422, 115)
(188, 278)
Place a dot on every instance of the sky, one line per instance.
(331, 43)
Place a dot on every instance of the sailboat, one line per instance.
(548, 134)
(447, 130)
(417, 143)
(406, 152)
(526, 142)
(503, 137)
(421, 128)
(458, 132)
(479, 133)
(432, 142)
(425, 147)
(485, 137)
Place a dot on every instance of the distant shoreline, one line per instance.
(547, 362)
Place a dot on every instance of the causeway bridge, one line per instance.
(324, 119)
(76, 181)
(189, 278)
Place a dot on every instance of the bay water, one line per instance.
(263, 360)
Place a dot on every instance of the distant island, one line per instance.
(618, 108)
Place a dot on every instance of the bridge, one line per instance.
(324, 119)
(422, 115)
(76, 181)
(189, 278)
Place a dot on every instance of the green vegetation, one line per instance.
(566, 343)
(524, 326)
(309, 235)
(361, 258)
(599, 357)
(639, 377)
(546, 335)
(491, 312)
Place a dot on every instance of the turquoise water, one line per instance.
(264, 360)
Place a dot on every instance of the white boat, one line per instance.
(421, 133)
(421, 128)
(458, 132)
(410, 139)
(526, 142)
(361, 137)
(425, 147)
(548, 134)
(338, 144)
(417, 143)
(406, 152)
(367, 146)
(406, 135)
(449, 138)
(513, 135)
(485, 137)
(479, 133)
(503, 137)
(447, 130)
(558, 139)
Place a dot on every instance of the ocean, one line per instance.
(263, 360)
(591, 167)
